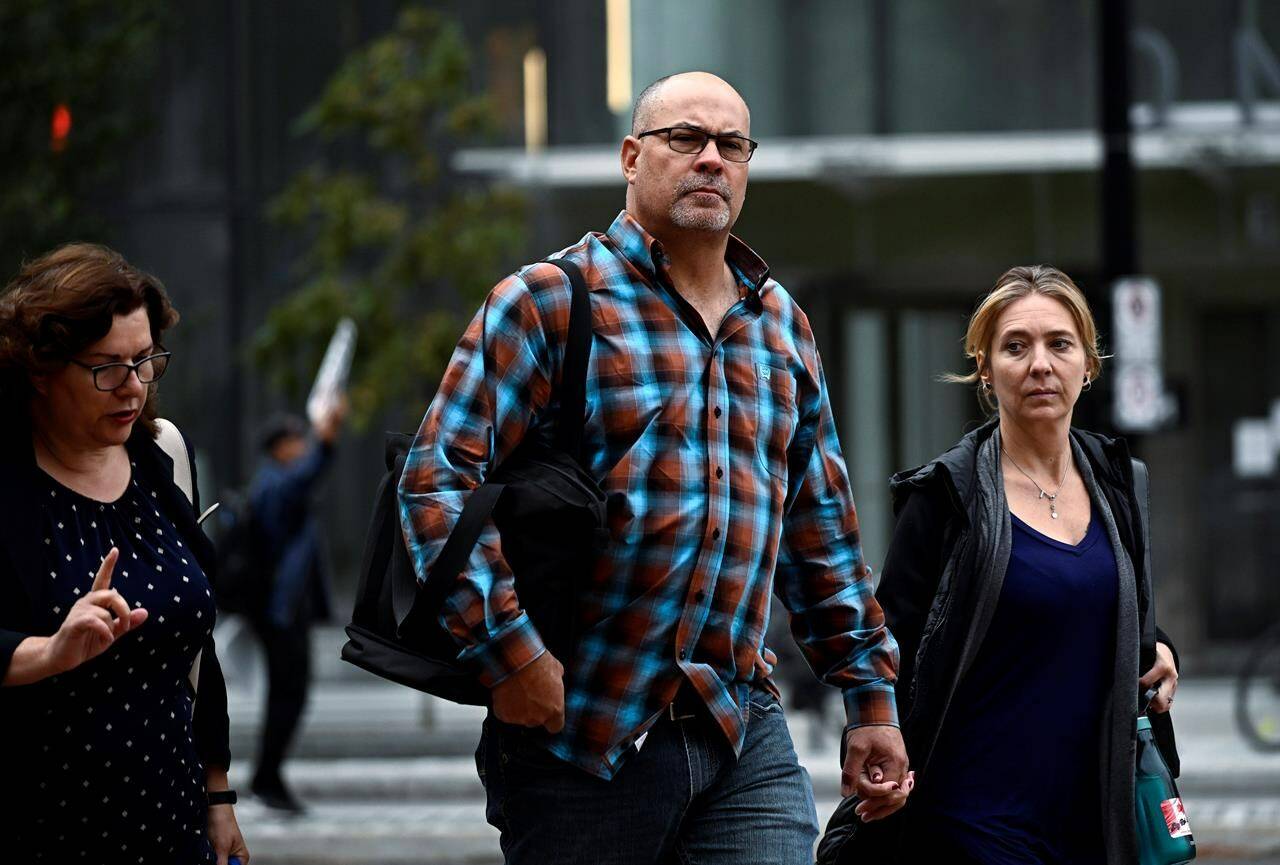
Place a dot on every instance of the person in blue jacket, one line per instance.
(280, 500)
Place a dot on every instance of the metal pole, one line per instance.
(881, 68)
(1117, 197)
(236, 100)
(1118, 192)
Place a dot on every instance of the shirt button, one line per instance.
(700, 596)
(683, 654)
(719, 472)
(715, 533)
(717, 412)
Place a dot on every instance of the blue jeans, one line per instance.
(682, 800)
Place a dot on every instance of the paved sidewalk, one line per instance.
(384, 788)
(442, 833)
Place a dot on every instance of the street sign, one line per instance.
(1136, 319)
(1253, 452)
(1140, 402)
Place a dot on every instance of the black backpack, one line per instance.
(550, 514)
(244, 566)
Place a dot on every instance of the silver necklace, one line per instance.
(1051, 496)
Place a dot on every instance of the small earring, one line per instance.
(986, 386)
(1087, 384)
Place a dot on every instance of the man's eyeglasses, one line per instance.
(691, 139)
(109, 376)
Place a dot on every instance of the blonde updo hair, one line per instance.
(1013, 285)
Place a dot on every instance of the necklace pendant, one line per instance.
(1053, 510)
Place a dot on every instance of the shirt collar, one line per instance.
(645, 253)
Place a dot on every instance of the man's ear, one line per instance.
(630, 153)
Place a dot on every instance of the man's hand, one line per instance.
(1164, 672)
(534, 696)
(875, 767)
(330, 422)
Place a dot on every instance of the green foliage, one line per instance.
(94, 56)
(391, 241)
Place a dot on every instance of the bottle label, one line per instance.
(1175, 817)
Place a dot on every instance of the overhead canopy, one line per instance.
(1194, 135)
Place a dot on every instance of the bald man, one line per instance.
(659, 736)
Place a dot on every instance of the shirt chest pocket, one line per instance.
(776, 416)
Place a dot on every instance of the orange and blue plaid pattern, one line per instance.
(719, 457)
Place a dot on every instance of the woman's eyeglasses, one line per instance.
(109, 376)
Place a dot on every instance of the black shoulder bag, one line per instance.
(549, 512)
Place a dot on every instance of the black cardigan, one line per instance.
(20, 572)
(935, 507)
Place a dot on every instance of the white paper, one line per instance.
(335, 369)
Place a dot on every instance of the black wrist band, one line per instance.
(221, 797)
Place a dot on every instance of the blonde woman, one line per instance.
(1017, 587)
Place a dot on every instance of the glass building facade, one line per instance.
(911, 150)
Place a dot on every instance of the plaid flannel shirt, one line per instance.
(725, 480)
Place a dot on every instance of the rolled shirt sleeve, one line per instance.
(495, 386)
(822, 578)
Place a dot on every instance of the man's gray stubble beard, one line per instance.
(698, 219)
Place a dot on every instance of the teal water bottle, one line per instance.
(1164, 835)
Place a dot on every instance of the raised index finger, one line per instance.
(108, 566)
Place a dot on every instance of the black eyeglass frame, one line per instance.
(706, 136)
(134, 367)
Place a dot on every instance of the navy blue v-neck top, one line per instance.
(1014, 777)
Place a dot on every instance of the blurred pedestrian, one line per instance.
(295, 458)
(105, 602)
(660, 737)
(1017, 587)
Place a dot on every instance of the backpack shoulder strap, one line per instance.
(1142, 492)
(453, 558)
(484, 498)
(577, 355)
(172, 443)
(170, 440)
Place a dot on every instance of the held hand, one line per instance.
(224, 835)
(875, 767)
(90, 627)
(330, 422)
(534, 696)
(1164, 672)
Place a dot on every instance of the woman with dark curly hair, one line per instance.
(106, 609)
